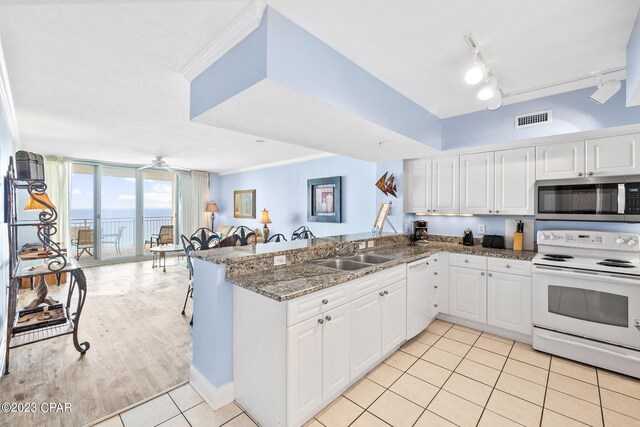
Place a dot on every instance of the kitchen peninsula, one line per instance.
(285, 341)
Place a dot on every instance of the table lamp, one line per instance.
(213, 208)
(35, 205)
(264, 219)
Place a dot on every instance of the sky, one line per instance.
(119, 193)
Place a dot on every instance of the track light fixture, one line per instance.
(488, 89)
(479, 72)
(605, 91)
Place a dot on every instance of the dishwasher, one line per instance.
(418, 310)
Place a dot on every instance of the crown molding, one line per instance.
(6, 97)
(276, 164)
(242, 25)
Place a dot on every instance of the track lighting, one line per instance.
(495, 102)
(488, 89)
(477, 72)
(605, 91)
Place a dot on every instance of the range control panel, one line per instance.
(632, 198)
(590, 239)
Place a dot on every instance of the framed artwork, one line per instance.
(244, 204)
(383, 212)
(324, 199)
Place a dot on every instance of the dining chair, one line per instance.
(188, 248)
(244, 234)
(204, 238)
(229, 242)
(302, 232)
(277, 238)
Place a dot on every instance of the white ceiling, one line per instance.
(100, 79)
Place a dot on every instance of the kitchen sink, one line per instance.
(369, 258)
(342, 264)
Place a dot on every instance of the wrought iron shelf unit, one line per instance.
(55, 261)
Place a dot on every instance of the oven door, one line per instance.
(599, 306)
(591, 201)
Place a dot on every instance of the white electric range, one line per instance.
(586, 298)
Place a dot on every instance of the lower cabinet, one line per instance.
(468, 293)
(366, 333)
(509, 302)
(394, 316)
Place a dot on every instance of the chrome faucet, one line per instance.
(343, 249)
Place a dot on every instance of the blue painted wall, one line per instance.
(7, 148)
(283, 191)
(572, 112)
(633, 63)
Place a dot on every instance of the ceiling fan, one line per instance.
(159, 163)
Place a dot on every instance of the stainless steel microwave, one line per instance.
(589, 199)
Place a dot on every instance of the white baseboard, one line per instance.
(517, 336)
(216, 397)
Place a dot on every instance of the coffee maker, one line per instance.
(419, 230)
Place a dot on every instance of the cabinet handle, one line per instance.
(490, 211)
(490, 275)
(436, 260)
(321, 321)
(497, 211)
(433, 210)
(508, 266)
(325, 301)
(482, 273)
(386, 292)
(590, 173)
(435, 273)
(435, 286)
(435, 305)
(328, 318)
(579, 173)
(381, 294)
(466, 261)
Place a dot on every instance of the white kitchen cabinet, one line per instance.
(419, 290)
(445, 185)
(393, 316)
(509, 302)
(304, 370)
(468, 293)
(611, 156)
(561, 160)
(440, 283)
(477, 174)
(366, 333)
(335, 352)
(515, 177)
(417, 181)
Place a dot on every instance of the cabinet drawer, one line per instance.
(469, 261)
(365, 285)
(512, 266)
(314, 304)
(393, 275)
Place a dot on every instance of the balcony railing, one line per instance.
(111, 226)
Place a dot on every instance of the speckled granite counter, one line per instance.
(293, 281)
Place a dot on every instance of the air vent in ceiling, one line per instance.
(533, 119)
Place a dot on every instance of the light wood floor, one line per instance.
(140, 346)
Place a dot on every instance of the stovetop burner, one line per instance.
(618, 261)
(616, 264)
(558, 257)
(546, 258)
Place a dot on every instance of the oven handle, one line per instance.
(571, 273)
(622, 198)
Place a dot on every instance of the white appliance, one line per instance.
(586, 298)
(418, 297)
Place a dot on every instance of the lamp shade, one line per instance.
(212, 207)
(35, 205)
(264, 219)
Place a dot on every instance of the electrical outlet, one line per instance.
(362, 245)
(371, 243)
(482, 228)
(279, 260)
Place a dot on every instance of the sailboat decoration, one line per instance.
(387, 185)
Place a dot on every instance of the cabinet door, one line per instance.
(304, 370)
(365, 333)
(335, 352)
(618, 155)
(468, 293)
(418, 297)
(509, 302)
(445, 185)
(515, 180)
(477, 190)
(558, 161)
(417, 185)
(394, 316)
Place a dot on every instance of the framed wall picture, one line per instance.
(381, 218)
(324, 199)
(244, 204)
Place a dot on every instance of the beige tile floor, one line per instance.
(449, 375)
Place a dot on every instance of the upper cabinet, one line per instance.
(560, 161)
(618, 155)
(417, 178)
(515, 180)
(445, 185)
(477, 174)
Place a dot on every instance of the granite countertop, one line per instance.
(293, 281)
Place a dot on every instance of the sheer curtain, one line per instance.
(57, 174)
(193, 195)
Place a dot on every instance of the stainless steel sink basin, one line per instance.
(342, 264)
(369, 258)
